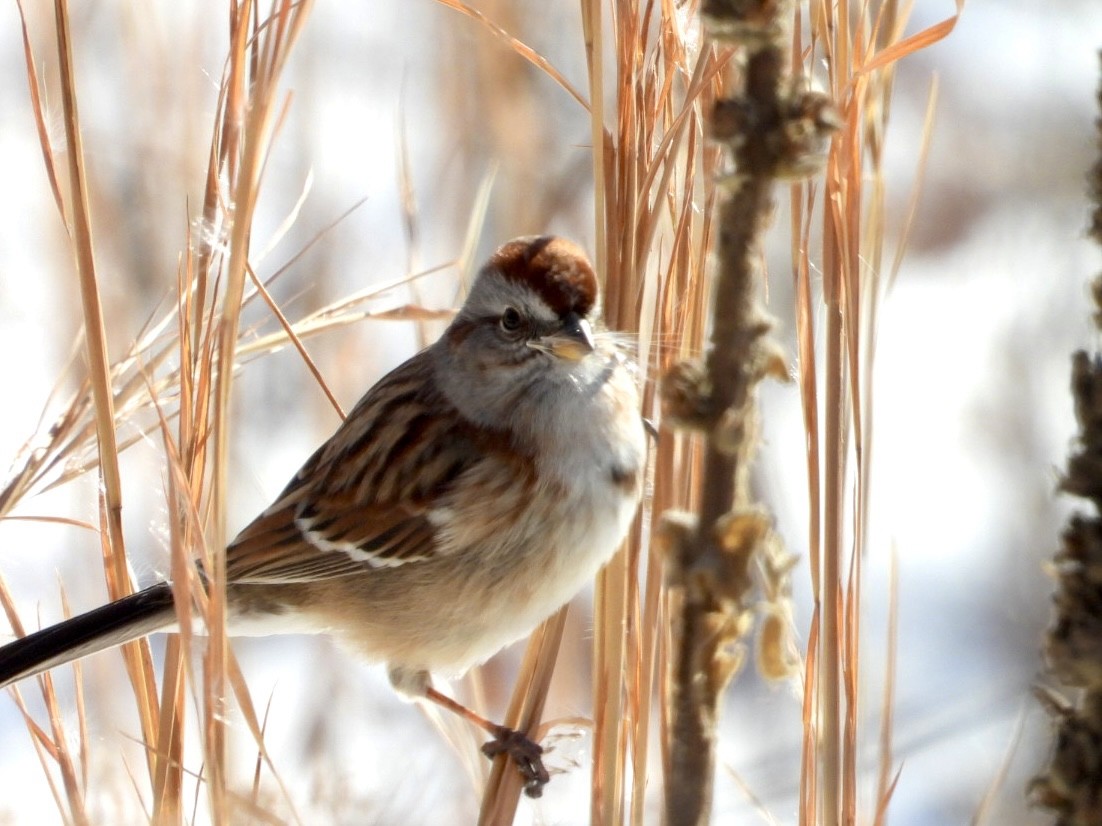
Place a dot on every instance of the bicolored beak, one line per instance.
(573, 341)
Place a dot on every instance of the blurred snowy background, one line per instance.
(972, 414)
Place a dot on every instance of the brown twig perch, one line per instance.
(776, 131)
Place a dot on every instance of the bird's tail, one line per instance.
(113, 624)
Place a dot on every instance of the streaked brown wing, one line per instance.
(276, 548)
(363, 499)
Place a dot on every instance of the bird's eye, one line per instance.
(511, 320)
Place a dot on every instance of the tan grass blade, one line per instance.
(186, 574)
(593, 40)
(296, 342)
(916, 189)
(650, 186)
(116, 571)
(860, 51)
(998, 780)
(882, 804)
(44, 748)
(522, 49)
(74, 791)
(916, 42)
(754, 800)
(809, 773)
(886, 779)
(78, 691)
(51, 520)
(255, 65)
(502, 793)
(169, 749)
(39, 117)
(55, 747)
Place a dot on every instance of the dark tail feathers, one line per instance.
(113, 624)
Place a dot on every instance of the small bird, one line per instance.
(469, 494)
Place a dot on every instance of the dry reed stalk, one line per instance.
(502, 793)
(888, 775)
(53, 747)
(776, 130)
(206, 344)
(859, 46)
(248, 120)
(75, 212)
(652, 173)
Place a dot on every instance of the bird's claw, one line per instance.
(526, 755)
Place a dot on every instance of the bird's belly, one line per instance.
(592, 527)
(414, 623)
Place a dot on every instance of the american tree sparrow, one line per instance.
(470, 493)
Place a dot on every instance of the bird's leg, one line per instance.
(526, 754)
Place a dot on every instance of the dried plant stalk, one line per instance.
(116, 571)
(502, 795)
(141, 382)
(649, 83)
(859, 48)
(1070, 785)
(710, 555)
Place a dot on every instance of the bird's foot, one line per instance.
(526, 755)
